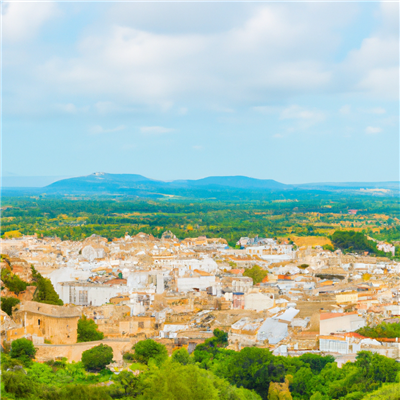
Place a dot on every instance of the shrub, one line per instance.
(45, 292)
(87, 330)
(149, 349)
(182, 356)
(12, 282)
(23, 350)
(17, 383)
(96, 358)
(128, 356)
(256, 273)
(7, 303)
(8, 363)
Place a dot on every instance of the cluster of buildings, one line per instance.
(179, 291)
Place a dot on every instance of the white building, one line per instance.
(340, 322)
(198, 282)
(89, 294)
(258, 301)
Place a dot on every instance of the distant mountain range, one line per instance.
(137, 184)
(220, 187)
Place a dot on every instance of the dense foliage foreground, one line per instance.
(211, 372)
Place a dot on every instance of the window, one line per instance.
(83, 297)
(38, 322)
(72, 295)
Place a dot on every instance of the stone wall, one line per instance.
(73, 352)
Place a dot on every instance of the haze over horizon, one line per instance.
(295, 92)
(12, 180)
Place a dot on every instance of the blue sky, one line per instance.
(296, 92)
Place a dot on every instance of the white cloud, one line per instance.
(22, 20)
(371, 130)
(95, 130)
(70, 108)
(378, 110)
(155, 130)
(345, 110)
(374, 111)
(267, 109)
(296, 112)
(223, 109)
(105, 107)
(305, 117)
(374, 67)
(67, 108)
(183, 111)
(271, 52)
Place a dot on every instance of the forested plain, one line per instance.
(318, 215)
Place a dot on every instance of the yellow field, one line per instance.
(310, 241)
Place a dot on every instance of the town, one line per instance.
(264, 293)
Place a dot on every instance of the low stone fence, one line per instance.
(73, 352)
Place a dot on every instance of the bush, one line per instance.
(354, 241)
(45, 292)
(176, 381)
(256, 273)
(386, 392)
(12, 282)
(74, 392)
(87, 330)
(97, 358)
(23, 350)
(383, 330)
(125, 384)
(18, 384)
(84, 392)
(316, 362)
(8, 363)
(182, 356)
(128, 356)
(7, 303)
(149, 349)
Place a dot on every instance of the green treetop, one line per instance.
(87, 330)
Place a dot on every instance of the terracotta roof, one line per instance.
(329, 315)
(202, 273)
(236, 271)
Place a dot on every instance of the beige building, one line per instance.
(350, 297)
(54, 323)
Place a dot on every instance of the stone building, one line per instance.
(54, 323)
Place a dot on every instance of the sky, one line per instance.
(297, 92)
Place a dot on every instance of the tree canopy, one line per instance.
(12, 281)
(352, 241)
(148, 349)
(45, 292)
(7, 303)
(23, 350)
(96, 358)
(87, 330)
(383, 330)
(256, 273)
